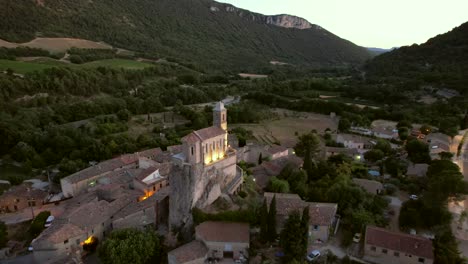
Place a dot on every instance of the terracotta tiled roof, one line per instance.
(189, 252)
(24, 191)
(204, 134)
(368, 185)
(191, 138)
(103, 167)
(209, 132)
(58, 232)
(175, 149)
(320, 213)
(148, 203)
(150, 153)
(276, 149)
(411, 244)
(223, 232)
(145, 172)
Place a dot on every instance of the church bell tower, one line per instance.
(220, 116)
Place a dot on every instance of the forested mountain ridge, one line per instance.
(441, 61)
(210, 34)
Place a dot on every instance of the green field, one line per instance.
(25, 67)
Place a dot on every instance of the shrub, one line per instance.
(37, 225)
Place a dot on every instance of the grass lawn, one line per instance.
(22, 67)
(117, 63)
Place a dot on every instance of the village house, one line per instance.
(417, 170)
(20, 197)
(322, 215)
(89, 218)
(81, 181)
(369, 186)
(263, 172)
(352, 153)
(385, 133)
(194, 252)
(228, 241)
(388, 247)
(151, 212)
(276, 152)
(152, 179)
(438, 143)
(354, 141)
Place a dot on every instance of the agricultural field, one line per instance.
(290, 123)
(23, 67)
(57, 45)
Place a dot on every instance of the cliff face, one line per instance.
(288, 21)
(283, 20)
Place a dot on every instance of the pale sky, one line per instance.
(371, 23)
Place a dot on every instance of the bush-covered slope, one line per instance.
(204, 32)
(442, 60)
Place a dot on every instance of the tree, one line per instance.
(374, 155)
(278, 186)
(130, 246)
(344, 125)
(384, 146)
(123, 115)
(403, 133)
(305, 227)
(418, 152)
(3, 234)
(264, 221)
(292, 236)
(308, 143)
(446, 155)
(260, 159)
(404, 123)
(38, 222)
(272, 220)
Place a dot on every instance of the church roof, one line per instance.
(204, 134)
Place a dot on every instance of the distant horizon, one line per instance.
(390, 24)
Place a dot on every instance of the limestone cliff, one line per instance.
(288, 21)
(282, 20)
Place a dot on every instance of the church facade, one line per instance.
(207, 167)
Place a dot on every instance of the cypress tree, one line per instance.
(264, 221)
(260, 159)
(305, 227)
(272, 220)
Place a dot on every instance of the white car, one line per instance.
(413, 197)
(313, 255)
(357, 238)
(49, 221)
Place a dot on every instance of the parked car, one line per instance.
(49, 221)
(313, 255)
(413, 197)
(357, 238)
(30, 248)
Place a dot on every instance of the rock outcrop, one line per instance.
(288, 21)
